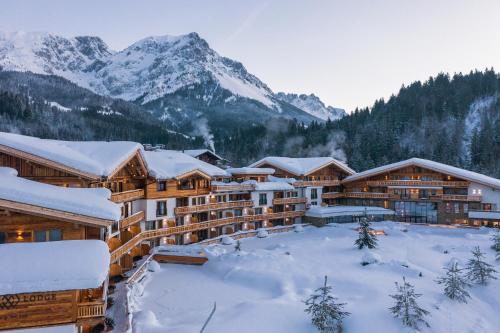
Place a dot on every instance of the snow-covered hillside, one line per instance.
(148, 69)
(262, 288)
(312, 105)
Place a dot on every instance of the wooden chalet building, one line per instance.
(206, 155)
(117, 166)
(423, 191)
(315, 177)
(55, 262)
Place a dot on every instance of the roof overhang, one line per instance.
(410, 162)
(193, 173)
(140, 158)
(53, 213)
(48, 163)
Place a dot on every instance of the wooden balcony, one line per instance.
(132, 219)
(367, 195)
(287, 201)
(127, 195)
(164, 232)
(308, 183)
(332, 195)
(212, 206)
(456, 197)
(417, 183)
(233, 188)
(90, 310)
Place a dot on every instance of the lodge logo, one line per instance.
(9, 301)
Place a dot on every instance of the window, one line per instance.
(55, 235)
(258, 211)
(48, 235)
(262, 199)
(40, 236)
(161, 186)
(314, 203)
(466, 208)
(426, 178)
(447, 207)
(150, 225)
(456, 208)
(433, 192)
(161, 208)
(3, 239)
(314, 193)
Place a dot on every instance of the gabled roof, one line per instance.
(171, 164)
(81, 205)
(198, 152)
(53, 266)
(431, 165)
(302, 166)
(89, 159)
(250, 171)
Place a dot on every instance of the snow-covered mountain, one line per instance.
(147, 70)
(312, 105)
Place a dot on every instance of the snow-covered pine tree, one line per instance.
(479, 271)
(365, 238)
(237, 247)
(455, 283)
(496, 241)
(327, 315)
(406, 306)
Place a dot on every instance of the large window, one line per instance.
(314, 193)
(3, 238)
(262, 199)
(48, 235)
(418, 212)
(161, 208)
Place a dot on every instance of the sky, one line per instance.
(349, 53)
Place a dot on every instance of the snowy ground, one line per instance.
(262, 288)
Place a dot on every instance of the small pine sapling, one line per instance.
(495, 238)
(327, 315)
(455, 283)
(406, 307)
(479, 271)
(366, 236)
(237, 247)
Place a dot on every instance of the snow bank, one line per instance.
(53, 266)
(83, 201)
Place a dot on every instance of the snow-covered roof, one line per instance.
(97, 158)
(198, 152)
(53, 266)
(169, 164)
(250, 171)
(302, 166)
(332, 211)
(273, 186)
(436, 166)
(484, 215)
(93, 202)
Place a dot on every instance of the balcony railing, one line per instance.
(306, 183)
(417, 183)
(127, 195)
(132, 219)
(332, 195)
(456, 197)
(287, 201)
(233, 188)
(368, 195)
(165, 232)
(89, 310)
(212, 206)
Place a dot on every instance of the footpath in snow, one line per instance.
(262, 288)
